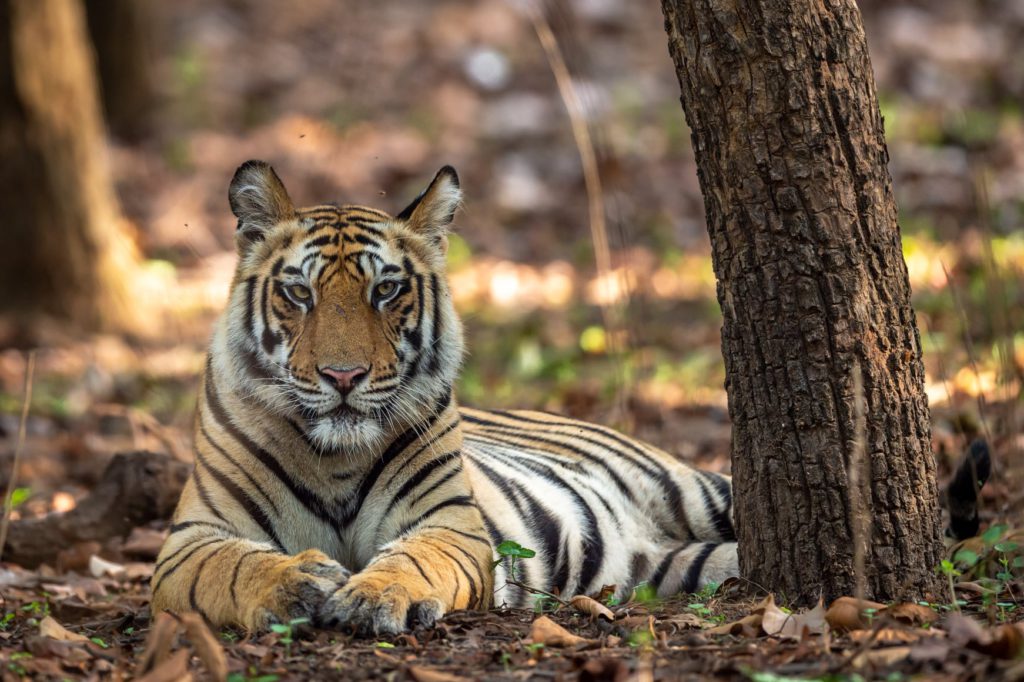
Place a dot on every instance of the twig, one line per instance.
(534, 590)
(592, 181)
(30, 367)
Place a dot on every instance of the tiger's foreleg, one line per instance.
(235, 581)
(419, 577)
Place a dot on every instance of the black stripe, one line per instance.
(223, 453)
(457, 501)
(662, 570)
(238, 568)
(418, 478)
(304, 495)
(437, 484)
(592, 547)
(434, 364)
(192, 601)
(720, 519)
(255, 512)
(470, 536)
(204, 496)
(185, 525)
(416, 563)
(512, 431)
(691, 577)
(175, 567)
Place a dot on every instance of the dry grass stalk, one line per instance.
(30, 367)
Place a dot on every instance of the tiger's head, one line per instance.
(340, 317)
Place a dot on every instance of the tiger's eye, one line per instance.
(385, 289)
(300, 292)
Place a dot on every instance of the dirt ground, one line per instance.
(361, 102)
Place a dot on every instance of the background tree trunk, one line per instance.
(66, 253)
(122, 35)
(791, 156)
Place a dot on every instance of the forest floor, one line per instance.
(468, 84)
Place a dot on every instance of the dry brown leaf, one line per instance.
(158, 643)
(173, 669)
(847, 613)
(913, 614)
(206, 645)
(48, 627)
(591, 607)
(684, 621)
(748, 626)
(891, 635)
(549, 633)
(881, 658)
(101, 567)
(777, 622)
(1005, 641)
(422, 674)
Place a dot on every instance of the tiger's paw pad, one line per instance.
(371, 612)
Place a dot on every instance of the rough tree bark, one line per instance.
(65, 254)
(780, 99)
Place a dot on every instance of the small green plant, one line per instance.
(640, 639)
(287, 632)
(7, 620)
(100, 642)
(229, 636)
(385, 645)
(513, 551)
(251, 675)
(19, 496)
(645, 593)
(948, 569)
(14, 666)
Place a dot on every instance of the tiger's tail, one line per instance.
(962, 493)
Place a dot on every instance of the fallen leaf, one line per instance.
(913, 614)
(748, 626)
(206, 645)
(173, 669)
(684, 621)
(603, 670)
(48, 627)
(891, 635)
(881, 658)
(144, 542)
(591, 607)
(422, 674)
(549, 633)
(158, 643)
(847, 613)
(101, 567)
(1005, 641)
(777, 622)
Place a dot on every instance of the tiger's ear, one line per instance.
(432, 211)
(259, 201)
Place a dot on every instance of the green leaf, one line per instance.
(98, 641)
(993, 534)
(385, 645)
(280, 628)
(965, 557)
(19, 495)
(1006, 547)
(511, 548)
(1018, 562)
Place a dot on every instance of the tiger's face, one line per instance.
(341, 318)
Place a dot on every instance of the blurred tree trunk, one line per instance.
(65, 254)
(780, 99)
(122, 36)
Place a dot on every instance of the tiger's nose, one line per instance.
(344, 379)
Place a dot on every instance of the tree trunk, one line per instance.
(122, 35)
(791, 157)
(65, 253)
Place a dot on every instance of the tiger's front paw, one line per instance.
(299, 587)
(371, 607)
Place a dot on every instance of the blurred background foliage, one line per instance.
(361, 101)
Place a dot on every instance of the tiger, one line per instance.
(337, 479)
